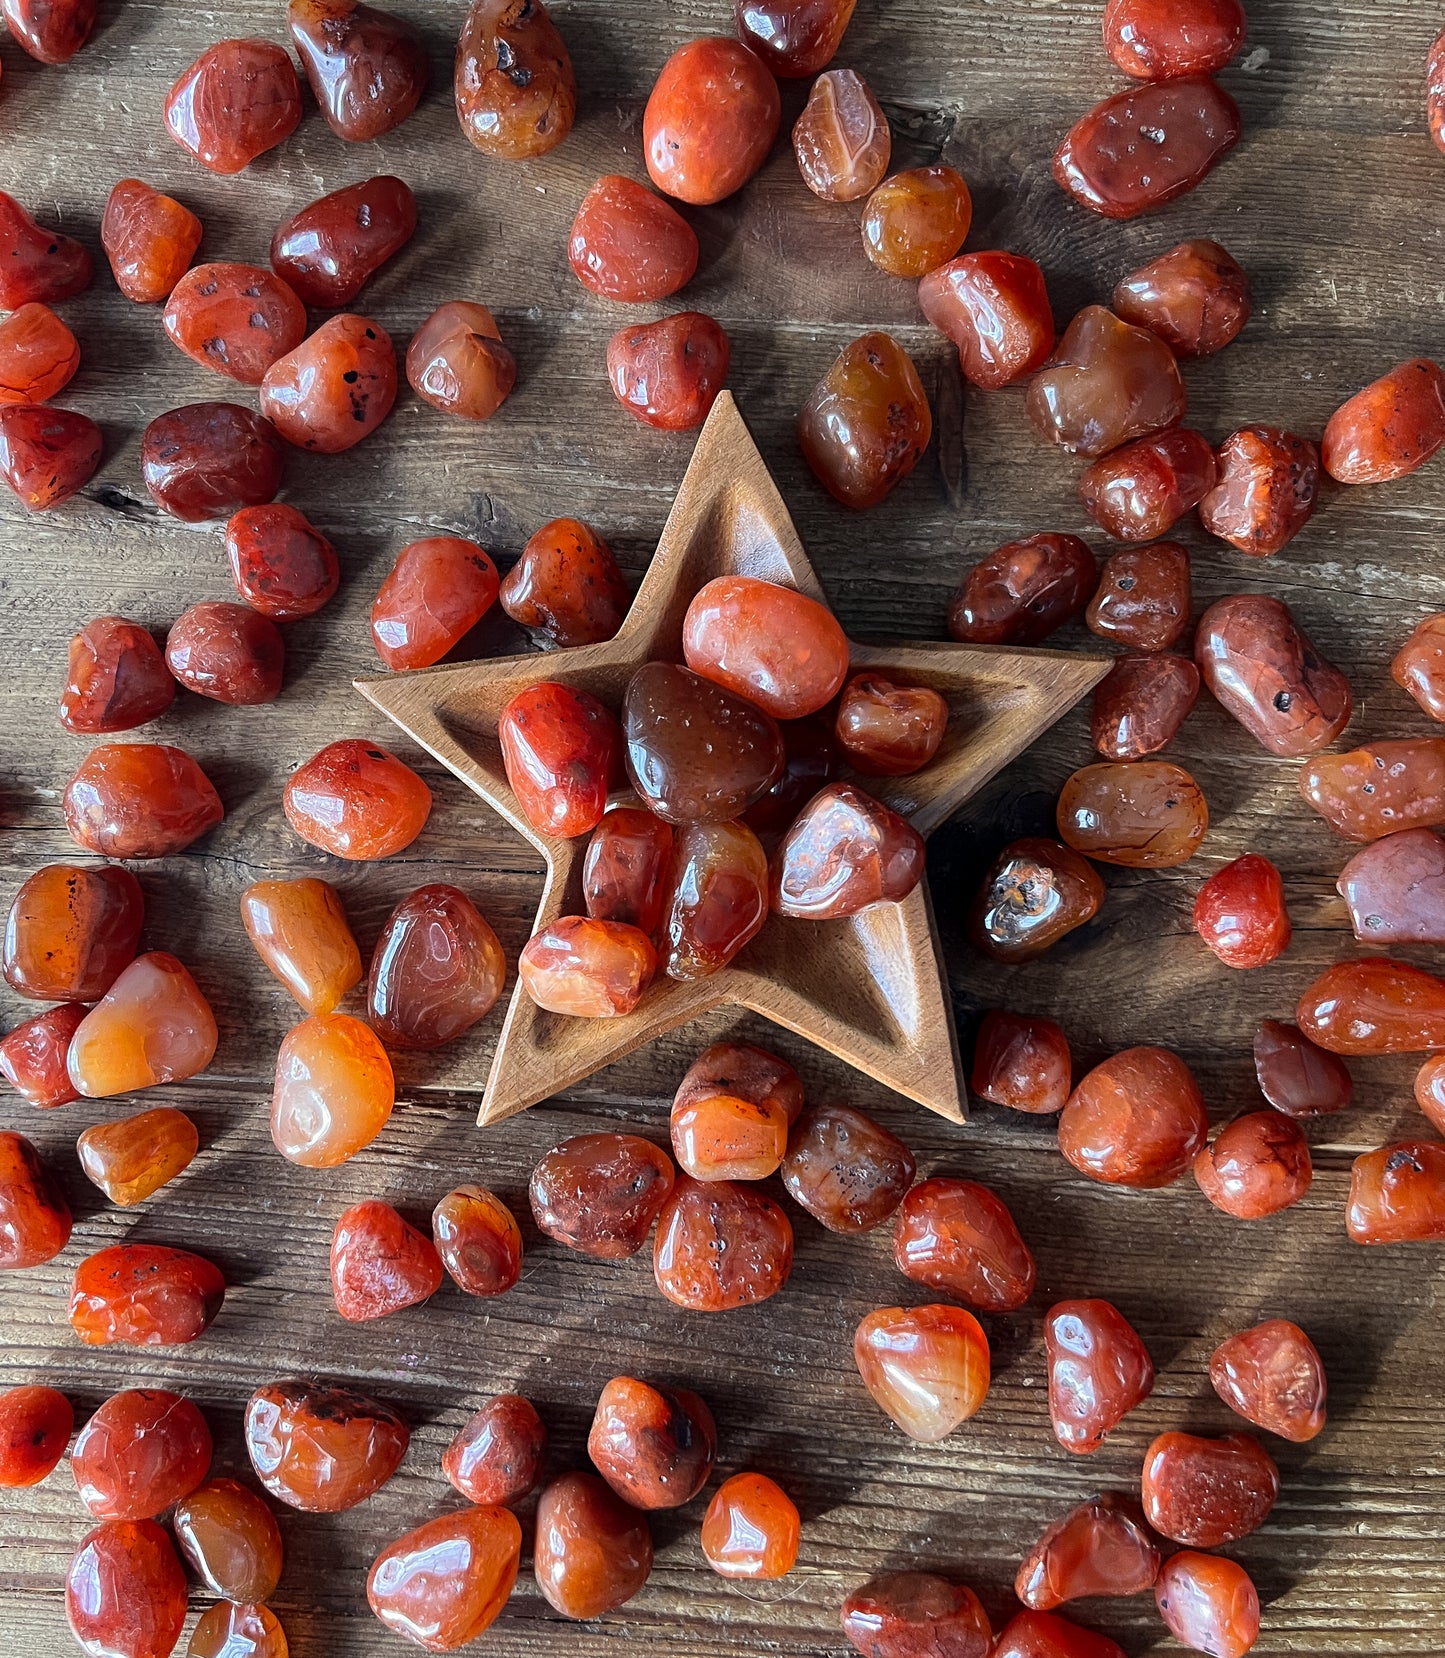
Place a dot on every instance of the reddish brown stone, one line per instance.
(841, 139)
(1397, 1194)
(139, 800)
(34, 1216)
(142, 1451)
(566, 588)
(1195, 297)
(235, 319)
(587, 969)
(33, 1056)
(867, 422)
(810, 759)
(845, 852)
(627, 869)
(1043, 1635)
(1208, 1604)
(1035, 893)
(37, 264)
(668, 373)
(1022, 1063)
(710, 120)
(51, 31)
(561, 751)
(718, 900)
(38, 355)
(322, 1449)
(281, 564)
(592, 1553)
(1207, 1492)
(71, 931)
(600, 1193)
(1140, 705)
(208, 460)
(436, 970)
(654, 1446)
(745, 1073)
(1138, 1119)
(479, 1242)
(125, 1591)
(1419, 668)
(35, 1424)
(1157, 40)
(239, 99)
(1375, 1006)
(1395, 889)
(356, 800)
(1389, 429)
(331, 248)
(367, 68)
(1258, 1165)
(1106, 383)
(1240, 913)
(433, 596)
(849, 1173)
(456, 361)
(1379, 790)
(1099, 1370)
(958, 1236)
(229, 1537)
(1267, 482)
(443, 1584)
(995, 308)
(910, 1614)
(1146, 814)
(1141, 491)
(1295, 1076)
(720, 1245)
(795, 38)
(1102, 1547)
(628, 243)
(1023, 591)
(46, 454)
(767, 642)
(1273, 1377)
(227, 652)
(379, 1263)
(496, 1459)
(116, 678)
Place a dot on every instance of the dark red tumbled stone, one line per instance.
(36, 263)
(47, 454)
(1141, 704)
(207, 460)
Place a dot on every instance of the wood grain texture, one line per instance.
(1335, 202)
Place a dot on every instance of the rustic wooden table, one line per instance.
(1334, 203)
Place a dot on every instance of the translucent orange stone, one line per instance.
(335, 388)
(751, 1529)
(456, 361)
(433, 596)
(227, 652)
(497, 1456)
(209, 460)
(334, 1091)
(379, 1263)
(845, 852)
(367, 68)
(150, 240)
(626, 871)
(331, 248)
(1397, 1194)
(1374, 1006)
(720, 1245)
(1195, 296)
(718, 901)
(1099, 1370)
(116, 678)
(437, 968)
(322, 1449)
(142, 1451)
(1145, 814)
(299, 930)
(357, 800)
(710, 120)
(229, 1537)
(1208, 1604)
(71, 930)
(134, 1157)
(34, 1216)
(281, 563)
(600, 1193)
(38, 355)
(1106, 383)
(1272, 1376)
(1379, 789)
(1429, 1088)
(745, 1073)
(995, 308)
(33, 1056)
(46, 454)
(1156, 40)
(628, 243)
(1207, 1492)
(35, 1424)
(588, 969)
(849, 1173)
(795, 38)
(958, 1236)
(562, 751)
(239, 99)
(51, 31)
(441, 1585)
(654, 1446)
(516, 91)
(125, 1591)
(1022, 591)
(1102, 1547)
(867, 422)
(144, 1295)
(244, 1628)
(1143, 597)
(1395, 889)
(37, 263)
(720, 1137)
(1240, 913)
(1265, 494)
(1044, 1635)
(1036, 892)
(152, 1026)
(917, 220)
(566, 588)
(1022, 1063)
(1419, 667)
(668, 373)
(1140, 704)
(479, 1242)
(926, 1367)
(1389, 429)
(235, 319)
(592, 1552)
(889, 730)
(1136, 1120)
(1139, 492)
(900, 1614)
(841, 139)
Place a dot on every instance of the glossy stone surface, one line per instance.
(1139, 492)
(810, 759)
(751, 1529)
(208, 460)
(436, 970)
(885, 729)
(1258, 1165)
(654, 1446)
(745, 1073)
(561, 750)
(845, 852)
(718, 899)
(33, 1056)
(592, 1552)
(917, 220)
(456, 361)
(775, 646)
(1155, 40)
(367, 69)
(516, 92)
(1389, 429)
(1395, 889)
(144, 1295)
(34, 1216)
(36, 263)
(152, 1026)
(51, 31)
(1023, 591)
(235, 319)
(229, 1537)
(1295, 1076)
(322, 1449)
(133, 1157)
(496, 1458)
(1195, 297)
(1035, 893)
(329, 250)
(334, 1091)
(627, 869)
(710, 120)
(116, 678)
(357, 801)
(141, 1451)
(1207, 1492)
(238, 1630)
(227, 652)
(1145, 815)
(795, 38)
(958, 1236)
(1429, 1090)
(1208, 1604)
(1099, 1370)
(587, 969)
(847, 1171)
(239, 99)
(720, 1245)
(1397, 1194)
(1044, 1635)
(1106, 383)
(1265, 494)
(1379, 789)
(1374, 1006)
(479, 1242)
(867, 422)
(1023, 1063)
(441, 1585)
(1240, 913)
(926, 1367)
(38, 355)
(1138, 149)
(299, 930)
(1261, 666)
(1102, 1547)
(720, 1137)
(566, 588)
(335, 388)
(916, 1615)
(139, 800)
(281, 563)
(841, 139)
(1140, 705)
(379, 1263)
(125, 1592)
(1272, 1376)
(46, 455)
(71, 930)
(668, 373)
(149, 239)
(630, 244)
(1138, 1119)
(35, 1424)
(600, 1193)
(1419, 667)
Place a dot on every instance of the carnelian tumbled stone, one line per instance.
(841, 139)
(441, 1585)
(560, 748)
(33, 1056)
(37, 263)
(1140, 705)
(1208, 1604)
(720, 1137)
(592, 1552)
(281, 564)
(1395, 889)
(52, 31)
(1380, 789)
(926, 1367)
(745, 1073)
(1106, 383)
(1195, 297)
(456, 361)
(849, 1173)
(332, 247)
(720, 1245)
(1022, 1063)
(152, 1026)
(139, 800)
(627, 868)
(38, 355)
(496, 1458)
(566, 588)
(144, 1295)
(914, 1614)
(1205, 1492)
(1147, 814)
(1375, 1006)
(845, 852)
(437, 968)
(150, 240)
(668, 373)
(1273, 1377)
(710, 120)
(334, 1091)
(654, 1446)
(1260, 665)
(379, 1263)
(322, 1449)
(1429, 1088)
(1045, 1635)
(867, 422)
(46, 454)
(229, 1537)
(718, 898)
(239, 99)
(116, 678)
(1099, 1370)
(917, 220)
(1389, 429)
(1022, 591)
(133, 1158)
(299, 930)
(209, 460)
(1138, 149)
(600, 1193)
(125, 1592)
(228, 652)
(1143, 597)
(35, 1424)
(958, 1236)
(335, 388)
(357, 800)
(795, 38)
(142, 1451)
(995, 308)
(889, 730)
(1035, 893)
(1295, 1076)
(1156, 40)
(479, 1242)
(629, 244)
(34, 1216)
(71, 931)
(516, 92)
(367, 68)
(235, 319)
(780, 648)
(1240, 913)
(1267, 482)
(1102, 1547)
(1397, 1194)
(238, 1627)
(587, 969)
(1258, 1165)
(1138, 1119)
(751, 1529)
(1419, 667)
(1141, 491)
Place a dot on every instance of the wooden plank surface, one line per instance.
(1334, 203)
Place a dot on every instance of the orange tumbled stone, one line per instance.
(566, 588)
(235, 319)
(1380, 789)
(115, 680)
(841, 139)
(1021, 1062)
(1138, 1119)
(150, 240)
(867, 422)
(1099, 1370)
(357, 800)
(479, 1242)
(746, 1073)
(142, 1451)
(780, 648)
(239, 99)
(333, 389)
(720, 1245)
(1374, 1006)
(846, 851)
(995, 308)
(917, 220)
(152, 1026)
(1107, 382)
(710, 120)
(926, 1367)
(456, 361)
(1141, 814)
(35, 1424)
(34, 1216)
(144, 1295)
(751, 1529)
(125, 1592)
(625, 875)
(885, 729)
(38, 355)
(139, 800)
(367, 67)
(441, 1585)
(561, 749)
(921, 1615)
(379, 1263)
(654, 1446)
(1389, 429)
(958, 1236)
(1208, 1604)
(47, 454)
(1044, 1635)
(433, 596)
(299, 930)
(134, 1157)
(668, 373)
(71, 931)
(238, 1627)
(1272, 1376)
(1397, 1194)
(629, 244)
(592, 1551)
(281, 563)
(1419, 667)
(1204, 1492)
(37, 263)
(719, 1137)
(334, 1091)
(1258, 1165)
(516, 92)
(1101, 1547)
(719, 898)
(229, 1536)
(497, 1456)
(587, 969)
(322, 1449)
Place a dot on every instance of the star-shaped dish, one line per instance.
(870, 989)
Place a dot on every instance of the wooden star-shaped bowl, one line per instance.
(870, 989)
